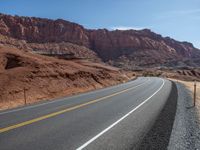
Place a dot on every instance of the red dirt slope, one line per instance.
(46, 77)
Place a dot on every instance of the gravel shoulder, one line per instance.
(178, 125)
(186, 129)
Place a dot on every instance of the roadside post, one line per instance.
(195, 88)
(25, 101)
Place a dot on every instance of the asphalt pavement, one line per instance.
(116, 117)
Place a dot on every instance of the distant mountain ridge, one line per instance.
(128, 49)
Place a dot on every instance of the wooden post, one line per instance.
(24, 96)
(195, 84)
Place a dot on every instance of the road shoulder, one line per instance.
(186, 129)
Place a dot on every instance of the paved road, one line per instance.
(117, 117)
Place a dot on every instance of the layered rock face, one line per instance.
(121, 48)
(37, 30)
(118, 43)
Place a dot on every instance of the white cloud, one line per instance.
(197, 44)
(126, 28)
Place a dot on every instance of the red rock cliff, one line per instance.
(109, 45)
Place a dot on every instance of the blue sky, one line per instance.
(179, 19)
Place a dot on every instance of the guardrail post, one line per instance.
(195, 84)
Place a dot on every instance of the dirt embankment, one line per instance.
(45, 77)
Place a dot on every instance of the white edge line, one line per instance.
(48, 102)
(115, 123)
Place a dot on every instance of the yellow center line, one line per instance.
(63, 111)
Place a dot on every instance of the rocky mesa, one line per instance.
(128, 49)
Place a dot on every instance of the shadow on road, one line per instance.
(159, 135)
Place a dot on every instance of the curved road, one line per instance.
(116, 117)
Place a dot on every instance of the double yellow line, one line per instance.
(64, 110)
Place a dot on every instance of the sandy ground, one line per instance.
(190, 86)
